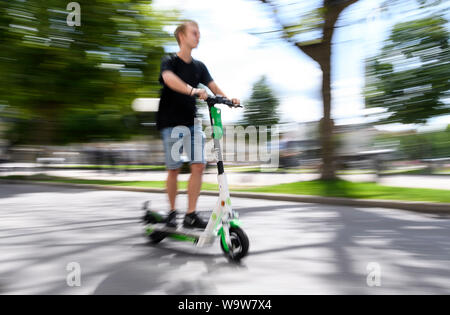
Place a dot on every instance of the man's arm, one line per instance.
(175, 83)
(217, 91)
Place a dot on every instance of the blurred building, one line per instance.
(356, 146)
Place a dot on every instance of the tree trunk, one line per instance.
(321, 53)
(326, 123)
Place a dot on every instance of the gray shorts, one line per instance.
(180, 138)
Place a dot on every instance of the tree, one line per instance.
(73, 83)
(411, 76)
(319, 25)
(261, 108)
(312, 33)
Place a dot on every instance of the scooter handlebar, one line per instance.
(218, 99)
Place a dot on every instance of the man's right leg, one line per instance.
(172, 187)
(173, 165)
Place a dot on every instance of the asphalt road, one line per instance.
(295, 248)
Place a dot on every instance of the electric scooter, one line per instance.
(224, 222)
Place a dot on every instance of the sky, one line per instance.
(236, 58)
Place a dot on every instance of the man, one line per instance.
(180, 76)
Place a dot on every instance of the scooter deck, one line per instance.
(180, 230)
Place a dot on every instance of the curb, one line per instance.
(416, 206)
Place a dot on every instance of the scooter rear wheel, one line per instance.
(156, 237)
(240, 244)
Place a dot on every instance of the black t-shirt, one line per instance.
(175, 108)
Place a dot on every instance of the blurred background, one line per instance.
(355, 87)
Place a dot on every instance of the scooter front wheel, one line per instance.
(239, 244)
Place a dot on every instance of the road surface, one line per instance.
(46, 233)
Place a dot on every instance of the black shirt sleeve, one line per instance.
(166, 64)
(205, 77)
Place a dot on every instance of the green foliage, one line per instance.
(411, 76)
(74, 83)
(309, 28)
(261, 108)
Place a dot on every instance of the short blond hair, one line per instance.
(182, 28)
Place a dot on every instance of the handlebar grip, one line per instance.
(213, 100)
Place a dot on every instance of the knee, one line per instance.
(197, 169)
(173, 173)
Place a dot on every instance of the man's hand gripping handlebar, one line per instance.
(218, 99)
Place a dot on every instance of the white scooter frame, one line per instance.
(223, 222)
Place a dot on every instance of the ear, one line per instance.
(182, 35)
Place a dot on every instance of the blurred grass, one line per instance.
(337, 188)
(69, 180)
(360, 190)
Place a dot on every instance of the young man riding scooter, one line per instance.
(180, 76)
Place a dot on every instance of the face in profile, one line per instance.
(191, 37)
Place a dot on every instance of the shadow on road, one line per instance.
(289, 242)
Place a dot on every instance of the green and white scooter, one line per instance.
(223, 222)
